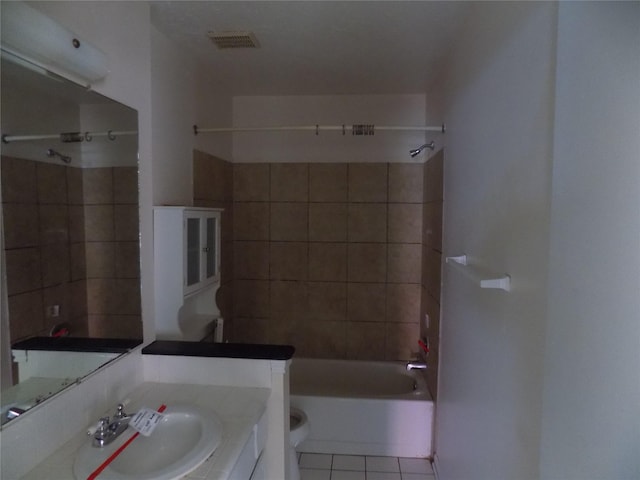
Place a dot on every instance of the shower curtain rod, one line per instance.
(69, 137)
(356, 129)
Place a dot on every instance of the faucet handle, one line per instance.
(102, 433)
(103, 425)
(120, 412)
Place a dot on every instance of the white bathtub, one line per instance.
(362, 407)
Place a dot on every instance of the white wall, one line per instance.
(173, 88)
(212, 111)
(542, 181)
(181, 98)
(591, 421)
(328, 146)
(498, 106)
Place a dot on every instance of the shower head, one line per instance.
(431, 145)
(52, 153)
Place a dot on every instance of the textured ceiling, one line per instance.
(317, 47)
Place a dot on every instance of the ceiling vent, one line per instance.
(234, 39)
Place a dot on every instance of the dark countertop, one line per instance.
(227, 350)
(77, 344)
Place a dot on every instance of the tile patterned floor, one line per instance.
(317, 466)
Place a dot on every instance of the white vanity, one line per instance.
(246, 386)
(242, 411)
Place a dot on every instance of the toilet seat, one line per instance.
(298, 426)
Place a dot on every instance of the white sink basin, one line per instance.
(184, 439)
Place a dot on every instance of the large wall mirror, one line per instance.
(71, 240)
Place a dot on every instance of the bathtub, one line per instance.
(362, 407)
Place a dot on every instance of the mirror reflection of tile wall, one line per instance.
(326, 257)
(71, 239)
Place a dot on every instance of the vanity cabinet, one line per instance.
(186, 251)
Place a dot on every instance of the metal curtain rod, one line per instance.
(356, 129)
(68, 137)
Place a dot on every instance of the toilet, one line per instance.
(298, 431)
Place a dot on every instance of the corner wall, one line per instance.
(182, 99)
(431, 282)
(498, 107)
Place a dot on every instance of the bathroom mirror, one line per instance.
(70, 232)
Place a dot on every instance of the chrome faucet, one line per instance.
(110, 429)
(416, 365)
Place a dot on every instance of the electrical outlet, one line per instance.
(53, 311)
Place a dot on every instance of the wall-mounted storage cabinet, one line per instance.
(186, 250)
(202, 252)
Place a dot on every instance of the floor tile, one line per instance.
(345, 475)
(315, 460)
(382, 464)
(415, 465)
(314, 474)
(383, 476)
(417, 476)
(348, 462)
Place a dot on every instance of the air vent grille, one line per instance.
(234, 39)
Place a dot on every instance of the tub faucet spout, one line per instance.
(14, 412)
(415, 365)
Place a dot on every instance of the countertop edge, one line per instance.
(221, 350)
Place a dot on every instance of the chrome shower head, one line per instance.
(52, 153)
(431, 145)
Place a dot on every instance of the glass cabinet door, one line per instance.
(202, 230)
(210, 247)
(193, 251)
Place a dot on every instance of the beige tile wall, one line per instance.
(340, 260)
(71, 239)
(327, 257)
(213, 187)
(432, 262)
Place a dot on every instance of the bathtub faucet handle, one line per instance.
(416, 365)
